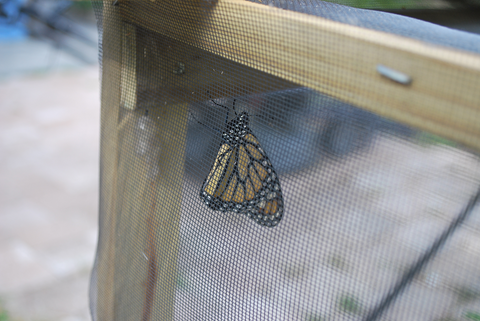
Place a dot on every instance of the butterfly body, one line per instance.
(236, 130)
(242, 179)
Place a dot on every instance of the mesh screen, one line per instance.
(409, 4)
(232, 191)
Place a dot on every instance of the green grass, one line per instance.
(425, 138)
(314, 317)
(295, 271)
(467, 294)
(182, 283)
(4, 315)
(384, 4)
(337, 262)
(82, 5)
(349, 304)
(470, 315)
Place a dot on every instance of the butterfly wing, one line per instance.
(243, 180)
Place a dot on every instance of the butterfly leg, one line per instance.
(234, 107)
(226, 117)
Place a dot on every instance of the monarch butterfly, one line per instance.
(242, 178)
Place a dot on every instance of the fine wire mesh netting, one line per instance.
(409, 4)
(312, 209)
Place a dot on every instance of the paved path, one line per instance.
(49, 147)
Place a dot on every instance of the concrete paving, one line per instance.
(49, 156)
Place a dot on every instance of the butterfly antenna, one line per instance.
(215, 129)
(213, 101)
(228, 109)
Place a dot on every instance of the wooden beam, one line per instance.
(104, 286)
(333, 58)
(129, 67)
(174, 72)
(141, 183)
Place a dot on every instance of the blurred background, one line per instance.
(49, 147)
(49, 155)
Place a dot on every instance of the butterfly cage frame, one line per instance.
(431, 88)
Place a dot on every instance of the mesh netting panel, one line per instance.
(232, 191)
(409, 4)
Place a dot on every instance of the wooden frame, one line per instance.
(336, 59)
(145, 273)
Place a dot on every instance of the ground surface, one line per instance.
(49, 147)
